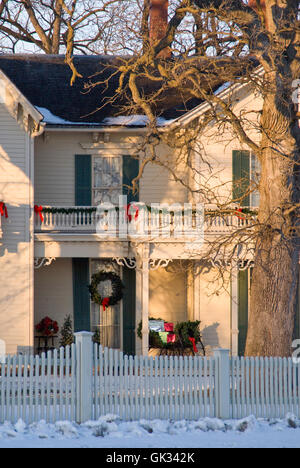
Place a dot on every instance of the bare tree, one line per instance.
(98, 26)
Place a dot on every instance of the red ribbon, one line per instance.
(193, 341)
(105, 303)
(129, 216)
(3, 210)
(38, 210)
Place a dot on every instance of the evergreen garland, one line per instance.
(186, 330)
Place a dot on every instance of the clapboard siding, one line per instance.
(16, 250)
(54, 291)
(55, 173)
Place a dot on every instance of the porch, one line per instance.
(170, 290)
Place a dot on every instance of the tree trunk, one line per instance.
(276, 270)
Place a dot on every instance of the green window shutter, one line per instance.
(241, 176)
(130, 171)
(129, 280)
(83, 180)
(243, 310)
(81, 295)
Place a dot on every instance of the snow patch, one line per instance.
(133, 121)
(66, 428)
(110, 431)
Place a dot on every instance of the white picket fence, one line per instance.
(85, 381)
(39, 387)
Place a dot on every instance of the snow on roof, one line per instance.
(223, 87)
(134, 121)
(128, 121)
(52, 119)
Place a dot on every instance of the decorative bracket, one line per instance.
(41, 262)
(153, 264)
(128, 262)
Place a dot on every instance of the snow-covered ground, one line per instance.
(110, 432)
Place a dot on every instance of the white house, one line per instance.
(61, 150)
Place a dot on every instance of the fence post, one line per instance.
(222, 377)
(84, 372)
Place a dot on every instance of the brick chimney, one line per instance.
(159, 23)
(253, 4)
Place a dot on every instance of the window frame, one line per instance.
(106, 188)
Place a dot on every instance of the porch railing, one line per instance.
(146, 224)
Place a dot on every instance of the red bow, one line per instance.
(3, 210)
(105, 303)
(129, 216)
(38, 210)
(238, 211)
(193, 341)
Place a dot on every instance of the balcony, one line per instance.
(140, 223)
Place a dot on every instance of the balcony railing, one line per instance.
(144, 224)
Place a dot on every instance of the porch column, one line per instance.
(234, 311)
(142, 292)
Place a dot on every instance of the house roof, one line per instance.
(45, 81)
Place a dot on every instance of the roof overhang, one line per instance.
(204, 106)
(19, 107)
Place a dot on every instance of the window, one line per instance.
(246, 174)
(254, 177)
(107, 179)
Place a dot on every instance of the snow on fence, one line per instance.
(85, 381)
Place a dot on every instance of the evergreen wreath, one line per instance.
(116, 284)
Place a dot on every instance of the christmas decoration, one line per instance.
(38, 211)
(129, 216)
(105, 303)
(185, 336)
(67, 336)
(90, 210)
(193, 341)
(47, 327)
(239, 213)
(116, 285)
(189, 335)
(96, 337)
(3, 210)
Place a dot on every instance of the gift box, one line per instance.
(164, 337)
(156, 325)
(169, 327)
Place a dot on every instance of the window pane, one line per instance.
(106, 196)
(255, 177)
(116, 172)
(98, 172)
